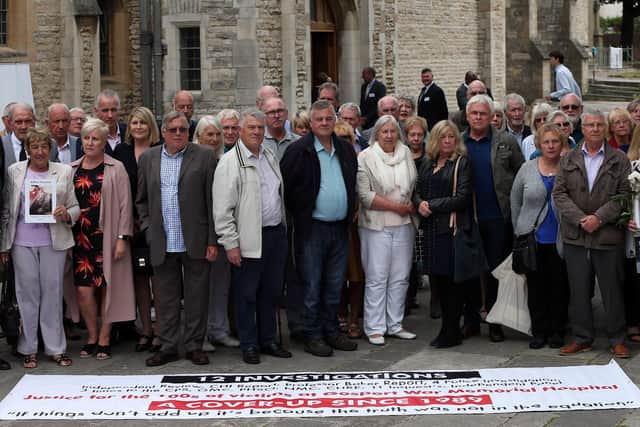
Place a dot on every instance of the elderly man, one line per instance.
(276, 136)
(593, 243)
(476, 87)
(21, 118)
(564, 81)
(107, 109)
(328, 91)
(77, 119)
(5, 119)
(514, 107)
(495, 158)
(229, 120)
(350, 113)
(68, 147)
(370, 93)
(251, 227)
(174, 204)
(319, 174)
(432, 104)
(461, 92)
(388, 105)
(264, 93)
(183, 102)
(571, 104)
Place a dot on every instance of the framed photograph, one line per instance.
(39, 200)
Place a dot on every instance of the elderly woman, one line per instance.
(634, 109)
(102, 255)
(497, 118)
(538, 117)
(560, 119)
(208, 133)
(351, 297)
(621, 128)
(435, 202)
(38, 248)
(406, 109)
(142, 133)
(386, 178)
(532, 210)
(301, 124)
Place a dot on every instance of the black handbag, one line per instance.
(141, 254)
(525, 259)
(469, 260)
(9, 310)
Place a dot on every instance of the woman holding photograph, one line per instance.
(38, 250)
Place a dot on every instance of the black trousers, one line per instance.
(548, 293)
(631, 293)
(451, 304)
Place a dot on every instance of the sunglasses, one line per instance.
(176, 130)
(571, 107)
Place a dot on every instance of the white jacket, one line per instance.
(237, 201)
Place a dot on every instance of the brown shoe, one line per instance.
(198, 357)
(573, 348)
(620, 350)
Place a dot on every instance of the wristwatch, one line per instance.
(124, 237)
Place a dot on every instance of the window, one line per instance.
(4, 10)
(190, 58)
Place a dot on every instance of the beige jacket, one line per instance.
(61, 236)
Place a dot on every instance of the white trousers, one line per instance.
(386, 258)
(38, 274)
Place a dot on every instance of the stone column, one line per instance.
(89, 59)
(491, 17)
(289, 59)
(349, 61)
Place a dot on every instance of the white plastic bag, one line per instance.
(510, 309)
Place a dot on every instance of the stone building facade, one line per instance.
(226, 49)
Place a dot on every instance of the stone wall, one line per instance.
(133, 96)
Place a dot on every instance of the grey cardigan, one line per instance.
(528, 195)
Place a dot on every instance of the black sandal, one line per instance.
(146, 345)
(103, 352)
(62, 359)
(88, 350)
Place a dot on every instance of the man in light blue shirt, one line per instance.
(564, 81)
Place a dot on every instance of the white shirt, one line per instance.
(64, 152)
(17, 146)
(114, 140)
(269, 187)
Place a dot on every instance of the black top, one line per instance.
(125, 153)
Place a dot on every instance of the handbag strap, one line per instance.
(546, 201)
(453, 217)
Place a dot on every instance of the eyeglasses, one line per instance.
(78, 119)
(550, 142)
(539, 119)
(593, 125)
(570, 107)
(563, 124)
(477, 93)
(277, 112)
(620, 122)
(176, 130)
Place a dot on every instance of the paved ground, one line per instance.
(477, 352)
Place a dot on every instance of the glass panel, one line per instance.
(190, 58)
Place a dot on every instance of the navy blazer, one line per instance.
(432, 106)
(300, 169)
(369, 103)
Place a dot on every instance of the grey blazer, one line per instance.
(194, 197)
(10, 156)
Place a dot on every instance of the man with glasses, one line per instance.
(77, 119)
(476, 87)
(183, 102)
(571, 105)
(388, 105)
(587, 179)
(276, 136)
(174, 204)
(21, 118)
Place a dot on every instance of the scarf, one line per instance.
(393, 170)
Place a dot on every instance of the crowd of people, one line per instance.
(336, 214)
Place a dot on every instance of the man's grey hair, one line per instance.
(381, 122)
(480, 99)
(171, 116)
(387, 97)
(551, 117)
(349, 106)
(252, 112)
(77, 110)
(593, 112)
(106, 93)
(329, 85)
(513, 97)
(321, 104)
(7, 108)
(52, 107)
(228, 113)
(20, 106)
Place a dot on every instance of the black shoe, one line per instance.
(434, 342)
(495, 333)
(274, 349)
(318, 347)
(4, 365)
(341, 342)
(250, 355)
(161, 358)
(198, 357)
(537, 343)
(297, 336)
(446, 343)
(556, 341)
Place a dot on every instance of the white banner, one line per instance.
(307, 394)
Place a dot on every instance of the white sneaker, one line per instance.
(227, 341)
(403, 334)
(376, 339)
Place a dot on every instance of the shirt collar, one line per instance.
(267, 135)
(248, 153)
(426, 88)
(511, 131)
(175, 156)
(319, 147)
(488, 136)
(15, 140)
(600, 151)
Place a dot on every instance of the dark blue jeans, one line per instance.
(257, 284)
(321, 260)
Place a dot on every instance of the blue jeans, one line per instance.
(321, 260)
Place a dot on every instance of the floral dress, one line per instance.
(87, 253)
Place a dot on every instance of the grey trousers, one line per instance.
(219, 283)
(606, 265)
(196, 298)
(39, 276)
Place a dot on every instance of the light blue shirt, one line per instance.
(592, 164)
(331, 203)
(565, 83)
(169, 176)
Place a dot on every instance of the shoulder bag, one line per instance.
(525, 246)
(9, 311)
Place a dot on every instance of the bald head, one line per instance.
(389, 105)
(264, 93)
(183, 103)
(476, 87)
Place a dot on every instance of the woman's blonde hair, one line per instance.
(433, 145)
(619, 113)
(301, 120)
(634, 148)
(550, 127)
(144, 114)
(93, 124)
(37, 134)
(344, 130)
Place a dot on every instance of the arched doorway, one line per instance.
(324, 45)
